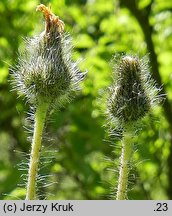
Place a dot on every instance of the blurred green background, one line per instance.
(78, 159)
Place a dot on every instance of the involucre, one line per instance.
(133, 92)
(45, 69)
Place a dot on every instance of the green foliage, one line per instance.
(77, 152)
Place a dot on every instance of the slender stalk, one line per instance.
(127, 149)
(40, 116)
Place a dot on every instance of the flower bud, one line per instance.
(45, 69)
(133, 93)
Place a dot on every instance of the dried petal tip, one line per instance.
(51, 19)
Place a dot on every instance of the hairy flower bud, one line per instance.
(133, 93)
(45, 69)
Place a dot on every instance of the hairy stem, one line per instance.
(40, 116)
(127, 149)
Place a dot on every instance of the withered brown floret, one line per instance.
(50, 18)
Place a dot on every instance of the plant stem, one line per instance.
(40, 116)
(127, 149)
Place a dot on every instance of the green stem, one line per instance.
(127, 150)
(40, 116)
